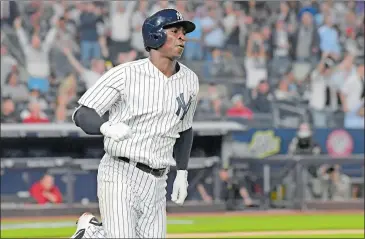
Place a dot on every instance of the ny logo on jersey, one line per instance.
(179, 16)
(182, 105)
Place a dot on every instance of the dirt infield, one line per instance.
(189, 214)
(266, 233)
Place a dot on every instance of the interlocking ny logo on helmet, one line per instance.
(179, 16)
(153, 29)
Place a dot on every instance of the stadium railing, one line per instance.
(285, 179)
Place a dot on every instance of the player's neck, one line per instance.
(165, 65)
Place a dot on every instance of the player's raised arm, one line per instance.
(97, 101)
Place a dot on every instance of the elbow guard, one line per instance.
(88, 120)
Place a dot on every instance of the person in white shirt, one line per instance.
(355, 118)
(230, 21)
(318, 98)
(214, 36)
(352, 89)
(120, 26)
(255, 60)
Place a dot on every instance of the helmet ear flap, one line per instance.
(157, 39)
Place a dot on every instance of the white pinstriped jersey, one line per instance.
(156, 108)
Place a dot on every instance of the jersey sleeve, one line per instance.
(187, 122)
(105, 92)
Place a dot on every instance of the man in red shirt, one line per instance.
(35, 114)
(44, 191)
(239, 109)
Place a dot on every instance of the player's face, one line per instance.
(175, 42)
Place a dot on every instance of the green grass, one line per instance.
(310, 236)
(226, 224)
(269, 223)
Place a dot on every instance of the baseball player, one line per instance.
(151, 104)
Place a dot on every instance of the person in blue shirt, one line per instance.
(193, 47)
(355, 118)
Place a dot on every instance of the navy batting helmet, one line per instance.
(153, 29)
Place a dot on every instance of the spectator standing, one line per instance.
(231, 28)
(343, 71)
(120, 26)
(36, 56)
(306, 41)
(255, 61)
(329, 38)
(355, 118)
(325, 10)
(66, 36)
(307, 6)
(321, 93)
(89, 36)
(214, 36)
(194, 47)
(351, 94)
(281, 61)
(286, 14)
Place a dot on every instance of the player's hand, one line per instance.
(180, 187)
(117, 132)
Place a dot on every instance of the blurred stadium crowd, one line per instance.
(257, 61)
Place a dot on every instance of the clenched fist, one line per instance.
(117, 132)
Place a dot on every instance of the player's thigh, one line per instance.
(116, 202)
(152, 223)
(152, 220)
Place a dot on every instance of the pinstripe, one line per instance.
(117, 206)
(133, 203)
